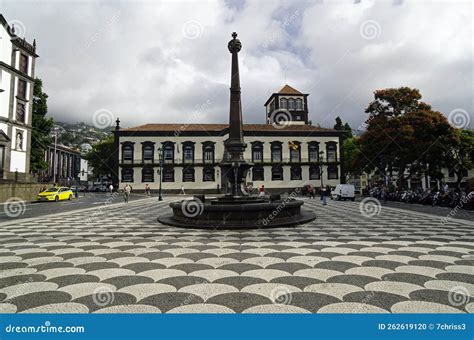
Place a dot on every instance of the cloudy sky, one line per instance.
(167, 61)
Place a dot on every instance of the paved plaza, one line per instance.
(118, 259)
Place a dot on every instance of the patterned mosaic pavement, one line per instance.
(118, 259)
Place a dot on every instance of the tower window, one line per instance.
(299, 104)
(291, 104)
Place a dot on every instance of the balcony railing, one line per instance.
(180, 161)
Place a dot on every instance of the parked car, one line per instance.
(343, 192)
(55, 194)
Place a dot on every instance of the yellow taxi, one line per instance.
(55, 194)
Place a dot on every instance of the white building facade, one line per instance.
(284, 155)
(17, 72)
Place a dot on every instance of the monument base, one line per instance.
(237, 213)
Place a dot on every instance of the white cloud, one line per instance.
(159, 62)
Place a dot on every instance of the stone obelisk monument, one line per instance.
(234, 166)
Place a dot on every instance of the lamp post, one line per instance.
(321, 158)
(160, 158)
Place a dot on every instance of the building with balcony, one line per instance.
(17, 73)
(285, 155)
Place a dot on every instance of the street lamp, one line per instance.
(321, 158)
(160, 158)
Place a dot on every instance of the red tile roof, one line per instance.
(287, 89)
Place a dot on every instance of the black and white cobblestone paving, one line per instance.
(120, 260)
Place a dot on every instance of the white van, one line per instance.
(343, 192)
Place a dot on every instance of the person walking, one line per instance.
(311, 192)
(324, 195)
(111, 188)
(147, 190)
(261, 191)
(126, 193)
(182, 190)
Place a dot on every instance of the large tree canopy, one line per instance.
(41, 128)
(100, 158)
(404, 135)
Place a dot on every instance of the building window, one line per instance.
(295, 172)
(331, 152)
(188, 174)
(258, 173)
(208, 175)
(314, 172)
(168, 152)
(127, 174)
(21, 93)
(277, 173)
(332, 172)
(19, 141)
(291, 104)
(276, 152)
(24, 63)
(168, 174)
(188, 152)
(257, 152)
(295, 151)
(20, 112)
(283, 103)
(148, 151)
(313, 152)
(147, 174)
(127, 153)
(299, 104)
(208, 152)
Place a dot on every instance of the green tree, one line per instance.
(100, 158)
(343, 127)
(462, 154)
(41, 128)
(351, 154)
(404, 135)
